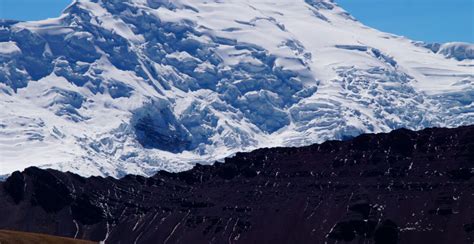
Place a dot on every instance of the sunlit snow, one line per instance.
(115, 87)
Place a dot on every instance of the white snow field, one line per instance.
(115, 87)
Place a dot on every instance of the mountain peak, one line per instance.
(116, 87)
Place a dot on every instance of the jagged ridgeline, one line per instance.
(116, 87)
(401, 187)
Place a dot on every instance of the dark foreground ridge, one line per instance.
(401, 187)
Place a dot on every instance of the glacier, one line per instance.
(115, 87)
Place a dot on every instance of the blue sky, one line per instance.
(31, 9)
(424, 20)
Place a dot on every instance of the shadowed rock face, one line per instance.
(401, 187)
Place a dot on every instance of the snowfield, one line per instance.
(116, 87)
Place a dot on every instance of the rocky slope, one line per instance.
(401, 187)
(114, 87)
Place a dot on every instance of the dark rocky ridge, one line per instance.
(401, 187)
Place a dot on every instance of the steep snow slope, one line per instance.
(114, 87)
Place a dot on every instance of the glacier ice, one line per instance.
(114, 87)
(457, 50)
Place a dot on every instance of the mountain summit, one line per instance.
(114, 87)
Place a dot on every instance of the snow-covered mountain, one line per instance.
(113, 87)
